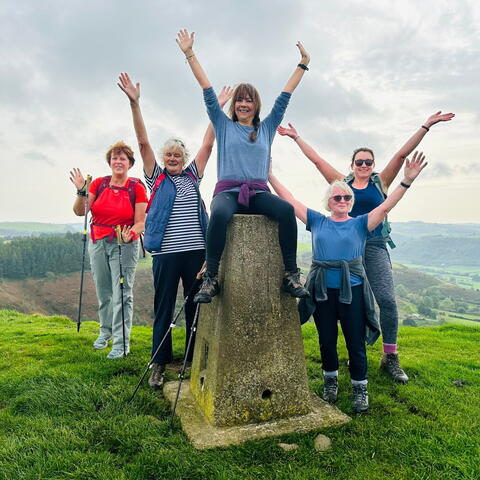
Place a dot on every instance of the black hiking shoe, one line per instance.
(157, 377)
(292, 285)
(360, 398)
(208, 289)
(330, 389)
(390, 364)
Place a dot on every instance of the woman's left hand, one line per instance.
(225, 95)
(127, 234)
(185, 40)
(305, 56)
(414, 167)
(438, 117)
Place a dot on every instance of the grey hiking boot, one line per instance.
(390, 364)
(101, 342)
(157, 377)
(117, 353)
(208, 289)
(360, 398)
(330, 389)
(292, 285)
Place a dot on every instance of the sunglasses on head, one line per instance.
(338, 198)
(359, 163)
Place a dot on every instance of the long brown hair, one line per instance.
(244, 90)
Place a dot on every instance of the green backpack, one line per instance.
(386, 228)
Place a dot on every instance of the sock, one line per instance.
(334, 373)
(389, 348)
(359, 382)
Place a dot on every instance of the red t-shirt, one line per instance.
(113, 207)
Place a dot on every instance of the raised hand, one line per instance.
(77, 179)
(126, 85)
(289, 132)
(305, 56)
(414, 166)
(185, 40)
(438, 117)
(225, 95)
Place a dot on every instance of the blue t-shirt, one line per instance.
(237, 157)
(366, 200)
(337, 241)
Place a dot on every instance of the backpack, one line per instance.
(386, 228)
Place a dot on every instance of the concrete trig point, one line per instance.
(248, 376)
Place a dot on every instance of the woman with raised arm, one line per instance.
(337, 282)
(176, 224)
(244, 143)
(370, 189)
(113, 200)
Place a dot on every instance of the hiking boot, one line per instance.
(390, 364)
(208, 289)
(101, 342)
(330, 389)
(360, 398)
(117, 352)
(292, 285)
(157, 377)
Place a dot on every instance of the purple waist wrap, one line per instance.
(248, 189)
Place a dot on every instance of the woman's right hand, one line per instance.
(185, 40)
(414, 167)
(126, 85)
(77, 179)
(289, 132)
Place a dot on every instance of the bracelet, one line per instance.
(426, 128)
(404, 185)
(296, 138)
(81, 193)
(188, 58)
(303, 66)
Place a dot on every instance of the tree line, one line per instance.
(40, 256)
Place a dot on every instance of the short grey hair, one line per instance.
(175, 144)
(343, 186)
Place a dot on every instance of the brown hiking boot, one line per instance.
(208, 289)
(390, 364)
(157, 377)
(292, 285)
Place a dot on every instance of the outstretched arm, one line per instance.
(329, 173)
(298, 73)
(185, 42)
(389, 173)
(411, 172)
(283, 192)
(133, 93)
(207, 145)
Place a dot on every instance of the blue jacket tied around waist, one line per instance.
(161, 208)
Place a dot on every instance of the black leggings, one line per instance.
(225, 204)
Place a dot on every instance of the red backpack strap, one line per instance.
(159, 180)
(103, 185)
(132, 190)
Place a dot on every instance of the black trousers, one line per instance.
(225, 204)
(168, 269)
(353, 321)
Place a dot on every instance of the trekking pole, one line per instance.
(84, 239)
(181, 375)
(119, 242)
(198, 278)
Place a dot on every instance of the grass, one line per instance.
(64, 413)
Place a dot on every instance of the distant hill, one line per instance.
(22, 229)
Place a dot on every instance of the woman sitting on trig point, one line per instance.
(337, 280)
(243, 163)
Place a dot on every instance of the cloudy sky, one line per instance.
(378, 70)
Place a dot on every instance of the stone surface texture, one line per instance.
(322, 443)
(249, 363)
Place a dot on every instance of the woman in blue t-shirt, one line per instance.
(337, 282)
(243, 155)
(370, 190)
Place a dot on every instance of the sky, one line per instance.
(378, 70)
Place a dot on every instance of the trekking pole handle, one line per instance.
(118, 229)
(202, 271)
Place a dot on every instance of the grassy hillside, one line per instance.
(14, 229)
(64, 414)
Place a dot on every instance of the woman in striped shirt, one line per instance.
(176, 224)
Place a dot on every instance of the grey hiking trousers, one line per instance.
(380, 276)
(104, 260)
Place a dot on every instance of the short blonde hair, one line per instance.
(175, 144)
(343, 186)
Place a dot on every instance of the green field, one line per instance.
(64, 413)
(457, 274)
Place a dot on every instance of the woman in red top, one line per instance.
(113, 200)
